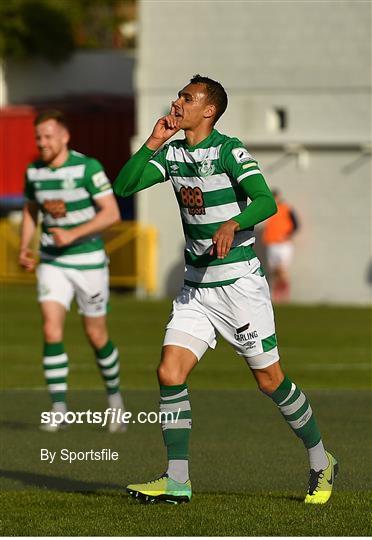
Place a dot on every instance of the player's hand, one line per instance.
(164, 129)
(223, 238)
(26, 260)
(62, 237)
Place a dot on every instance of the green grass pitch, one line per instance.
(249, 471)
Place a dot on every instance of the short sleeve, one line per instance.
(238, 162)
(97, 182)
(29, 189)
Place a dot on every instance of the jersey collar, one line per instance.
(63, 164)
(205, 143)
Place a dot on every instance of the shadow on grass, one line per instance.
(287, 497)
(10, 424)
(264, 494)
(57, 484)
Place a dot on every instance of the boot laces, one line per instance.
(315, 477)
(157, 479)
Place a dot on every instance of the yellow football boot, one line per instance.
(163, 489)
(321, 482)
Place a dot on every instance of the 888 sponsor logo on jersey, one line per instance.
(193, 200)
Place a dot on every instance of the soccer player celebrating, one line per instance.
(76, 202)
(222, 195)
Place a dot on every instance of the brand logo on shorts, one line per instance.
(243, 328)
(96, 299)
(246, 336)
(243, 336)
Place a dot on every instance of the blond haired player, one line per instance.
(75, 199)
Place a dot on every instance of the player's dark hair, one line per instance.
(216, 94)
(51, 114)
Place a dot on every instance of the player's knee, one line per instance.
(52, 332)
(97, 337)
(268, 384)
(170, 375)
(266, 387)
(96, 331)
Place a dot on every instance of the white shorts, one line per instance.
(91, 288)
(280, 254)
(241, 312)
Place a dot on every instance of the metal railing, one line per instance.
(131, 247)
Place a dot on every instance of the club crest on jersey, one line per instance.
(68, 183)
(206, 167)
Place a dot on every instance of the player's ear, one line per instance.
(65, 136)
(210, 111)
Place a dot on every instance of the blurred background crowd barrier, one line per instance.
(131, 248)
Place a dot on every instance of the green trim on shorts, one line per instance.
(259, 272)
(269, 343)
(75, 266)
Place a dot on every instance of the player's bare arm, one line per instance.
(107, 215)
(29, 222)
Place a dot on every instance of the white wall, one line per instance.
(3, 86)
(312, 59)
(333, 246)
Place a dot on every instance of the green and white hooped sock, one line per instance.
(55, 365)
(108, 362)
(176, 425)
(297, 412)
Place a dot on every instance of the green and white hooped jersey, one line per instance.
(66, 198)
(206, 179)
